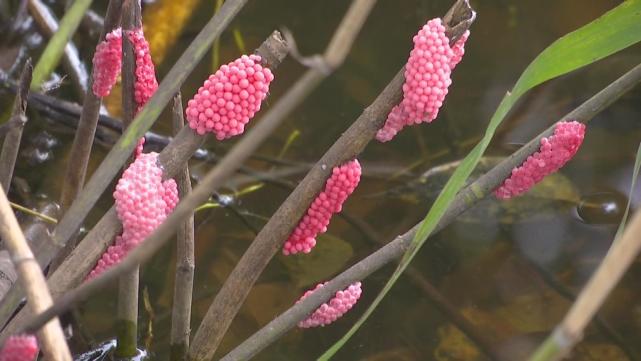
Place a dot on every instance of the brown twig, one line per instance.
(127, 315)
(83, 139)
(17, 121)
(35, 231)
(235, 290)
(82, 259)
(185, 263)
(51, 337)
(465, 199)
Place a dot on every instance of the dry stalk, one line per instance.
(17, 121)
(185, 263)
(51, 337)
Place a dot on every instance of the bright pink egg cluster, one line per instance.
(338, 187)
(554, 152)
(20, 348)
(329, 312)
(229, 98)
(146, 83)
(143, 201)
(107, 61)
(427, 78)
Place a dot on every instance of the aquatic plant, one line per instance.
(338, 187)
(554, 152)
(229, 98)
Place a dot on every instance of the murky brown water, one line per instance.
(507, 275)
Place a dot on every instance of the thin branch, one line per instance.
(51, 337)
(35, 231)
(83, 140)
(464, 200)
(185, 263)
(620, 256)
(75, 267)
(18, 119)
(127, 315)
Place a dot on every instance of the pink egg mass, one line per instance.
(338, 187)
(146, 84)
(554, 152)
(427, 78)
(107, 61)
(20, 348)
(228, 100)
(329, 312)
(143, 201)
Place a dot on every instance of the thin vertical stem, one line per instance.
(51, 337)
(17, 121)
(127, 318)
(185, 263)
(83, 140)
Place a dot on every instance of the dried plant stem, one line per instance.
(51, 337)
(83, 142)
(127, 317)
(464, 200)
(185, 263)
(35, 231)
(70, 59)
(172, 158)
(11, 143)
(620, 256)
(229, 299)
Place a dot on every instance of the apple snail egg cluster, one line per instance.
(330, 311)
(427, 78)
(107, 61)
(553, 153)
(338, 187)
(20, 348)
(143, 201)
(228, 100)
(146, 84)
